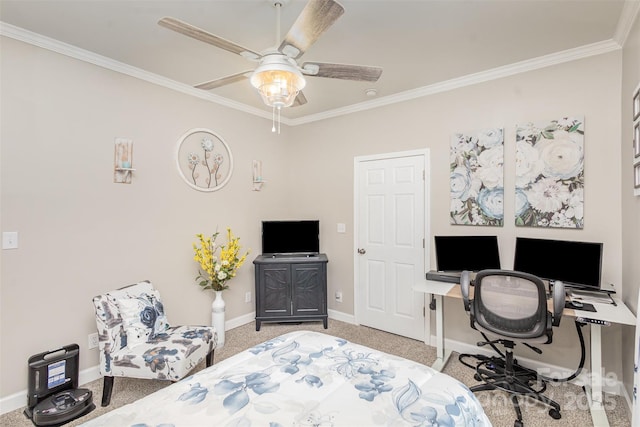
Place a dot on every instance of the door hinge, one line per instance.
(424, 312)
(423, 243)
(423, 175)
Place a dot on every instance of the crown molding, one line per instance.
(630, 11)
(470, 79)
(629, 14)
(66, 49)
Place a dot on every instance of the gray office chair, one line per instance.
(510, 306)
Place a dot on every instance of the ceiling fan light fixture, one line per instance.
(278, 81)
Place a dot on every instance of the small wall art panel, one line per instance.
(550, 173)
(204, 160)
(636, 141)
(122, 164)
(476, 180)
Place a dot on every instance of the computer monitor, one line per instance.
(577, 264)
(472, 253)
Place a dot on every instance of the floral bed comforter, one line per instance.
(307, 379)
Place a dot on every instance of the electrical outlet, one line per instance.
(93, 340)
(247, 297)
(338, 296)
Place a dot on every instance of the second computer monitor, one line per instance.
(473, 253)
(577, 264)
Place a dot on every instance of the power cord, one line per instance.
(582, 358)
(493, 362)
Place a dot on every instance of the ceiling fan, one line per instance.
(278, 77)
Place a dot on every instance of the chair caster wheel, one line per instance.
(477, 377)
(555, 414)
(518, 423)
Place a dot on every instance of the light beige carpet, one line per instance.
(572, 399)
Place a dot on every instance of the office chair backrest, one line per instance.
(512, 304)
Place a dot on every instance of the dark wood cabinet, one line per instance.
(291, 289)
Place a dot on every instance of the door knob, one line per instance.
(362, 251)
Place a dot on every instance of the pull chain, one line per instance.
(274, 119)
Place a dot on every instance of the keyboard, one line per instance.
(444, 276)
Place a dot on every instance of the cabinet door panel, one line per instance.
(308, 289)
(276, 293)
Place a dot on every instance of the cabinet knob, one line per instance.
(362, 251)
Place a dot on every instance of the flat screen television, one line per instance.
(472, 253)
(291, 237)
(577, 264)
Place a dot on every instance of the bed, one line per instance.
(307, 378)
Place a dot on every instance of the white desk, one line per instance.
(619, 313)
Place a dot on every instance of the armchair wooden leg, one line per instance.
(210, 358)
(107, 388)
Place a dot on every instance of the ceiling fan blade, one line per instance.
(364, 73)
(300, 100)
(316, 17)
(199, 34)
(224, 80)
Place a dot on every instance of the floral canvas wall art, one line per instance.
(476, 178)
(550, 173)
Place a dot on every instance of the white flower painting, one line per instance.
(550, 173)
(476, 180)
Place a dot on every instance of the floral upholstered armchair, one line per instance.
(136, 341)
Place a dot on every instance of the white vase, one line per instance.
(217, 317)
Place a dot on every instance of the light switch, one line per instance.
(9, 240)
(342, 228)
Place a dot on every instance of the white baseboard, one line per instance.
(239, 321)
(342, 317)
(629, 401)
(13, 402)
(19, 400)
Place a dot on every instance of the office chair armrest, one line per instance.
(558, 301)
(464, 289)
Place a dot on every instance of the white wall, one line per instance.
(588, 87)
(630, 204)
(80, 234)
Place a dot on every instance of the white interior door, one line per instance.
(391, 229)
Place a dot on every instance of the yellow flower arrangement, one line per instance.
(214, 272)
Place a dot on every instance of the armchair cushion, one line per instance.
(166, 354)
(142, 317)
(169, 355)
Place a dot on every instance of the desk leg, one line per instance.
(594, 390)
(442, 355)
